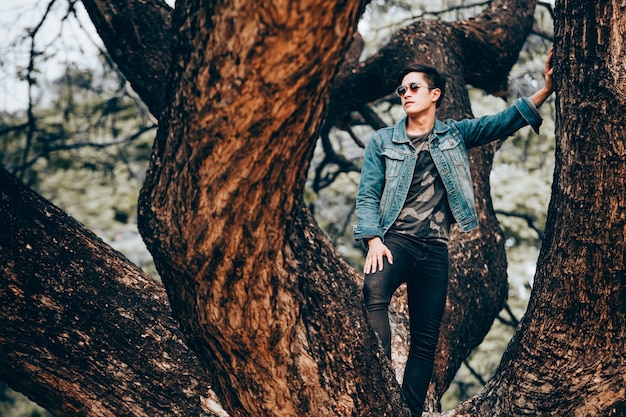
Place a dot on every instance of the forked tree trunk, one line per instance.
(569, 355)
(316, 294)
(262, 296)
(468, 55)
(260, 292)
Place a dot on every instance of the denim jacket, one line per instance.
(390, 158)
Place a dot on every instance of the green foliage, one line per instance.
(86, 148)
(14, 404)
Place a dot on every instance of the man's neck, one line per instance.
(420, 125)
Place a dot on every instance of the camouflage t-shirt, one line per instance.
(426, 212)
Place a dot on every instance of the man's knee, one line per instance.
(374, 290)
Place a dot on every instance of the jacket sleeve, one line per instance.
(370, 192)
(488, 128)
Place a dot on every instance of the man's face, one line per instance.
(416, 96)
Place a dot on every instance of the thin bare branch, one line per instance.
(530, 220)
(475, 373)
(77, 145)
(513, 321)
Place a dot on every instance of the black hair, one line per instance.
(435, 78)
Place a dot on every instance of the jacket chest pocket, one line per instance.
(394, 162)
(454, 150)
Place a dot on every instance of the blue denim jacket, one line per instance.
(390, 158)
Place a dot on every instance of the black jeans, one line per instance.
(424, 267)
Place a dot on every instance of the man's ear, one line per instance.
(436, 94)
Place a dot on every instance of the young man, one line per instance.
(415, 182)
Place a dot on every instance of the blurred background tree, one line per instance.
(72, 128)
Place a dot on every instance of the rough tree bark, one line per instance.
(260, 292)
(246, 145)
(85, 332)
(480, 52)
(138, 37)
(568, 356)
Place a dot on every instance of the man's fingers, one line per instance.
(368, 265)
(375, 258)
(389, 257)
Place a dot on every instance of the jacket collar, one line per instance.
(399, 132)
(440, 127)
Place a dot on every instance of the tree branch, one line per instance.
(30, 79)
(475, 373)
(137, 35)
(49, 149)
(530, 220)
(324, 176)
(77, 316)
(512, 321)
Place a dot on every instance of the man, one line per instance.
(415, 182)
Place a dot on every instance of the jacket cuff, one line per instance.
(366, 232)
(529, 112)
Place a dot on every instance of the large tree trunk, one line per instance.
(480, 52)
(568, 356)
(260, 292)
(84, 332)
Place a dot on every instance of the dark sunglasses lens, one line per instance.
(400, 90)
(414, 87)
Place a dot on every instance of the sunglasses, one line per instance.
(402, 89)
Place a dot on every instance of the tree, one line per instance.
(115, 353)
(260, 294)
(568, 355)
(490, 297)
